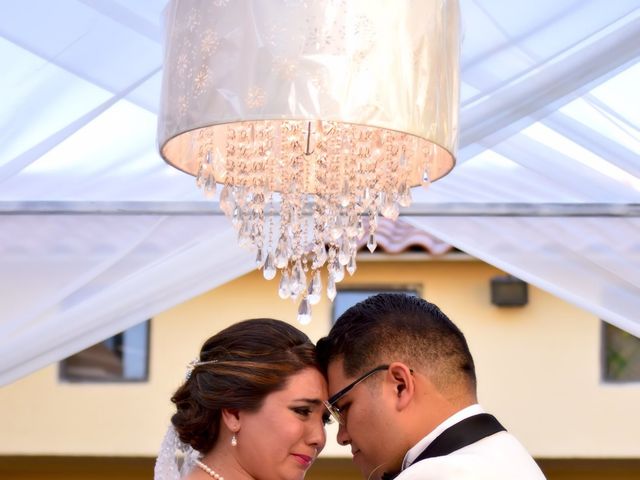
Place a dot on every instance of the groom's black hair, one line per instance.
(392, 327)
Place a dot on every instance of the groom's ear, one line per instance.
(231, 418)
(403, 384)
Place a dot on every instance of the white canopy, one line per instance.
(98, 234)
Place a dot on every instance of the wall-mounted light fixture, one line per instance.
(509, 291)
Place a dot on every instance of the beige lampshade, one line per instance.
(385, 70)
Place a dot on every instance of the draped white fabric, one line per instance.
(549, 114)
(73, 281)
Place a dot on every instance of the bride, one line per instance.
(251, 407)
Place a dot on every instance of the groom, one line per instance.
(403, 389)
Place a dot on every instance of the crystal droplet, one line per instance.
(317, 283)
(331, 288)
(335, 230)
(200, 178)
(404, 197)
(373, 221)
(210, 185)
(426, 181)
(284, 288)
(244, 234)
(281, 253)
(300, 277)
(394, 211)
(320, 257)
(313, 298)
(304, 312)
(315, 288)
(371, 244)
(338, 271)
(343, 253)
(259, 257)
(344, 195)
(226, 201)
(269, 270)
(352, 225)
(351, 267)
(366, 201)
(390, 208)
(294, 286)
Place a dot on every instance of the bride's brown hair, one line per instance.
(248, 361)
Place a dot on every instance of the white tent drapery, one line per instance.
(549, 114)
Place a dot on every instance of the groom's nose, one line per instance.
(343, 437)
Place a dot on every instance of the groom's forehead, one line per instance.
(336, 377)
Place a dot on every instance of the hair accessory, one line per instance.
(196, 363)
(234, 441)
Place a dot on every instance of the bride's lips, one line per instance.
(304, 460)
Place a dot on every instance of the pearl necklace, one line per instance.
(209, 470)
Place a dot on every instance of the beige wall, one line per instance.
(538, 370)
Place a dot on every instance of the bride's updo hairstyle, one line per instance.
(245, 362)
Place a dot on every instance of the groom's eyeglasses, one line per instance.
(330, 404)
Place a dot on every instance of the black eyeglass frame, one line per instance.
(330, 404)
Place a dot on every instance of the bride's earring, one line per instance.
(234, 441)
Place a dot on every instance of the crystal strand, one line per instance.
(209, 177)
(343, 252)
(345, 194)
(259, 257)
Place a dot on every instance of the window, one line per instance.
(121, 358)
(346, 298)
(621, 355)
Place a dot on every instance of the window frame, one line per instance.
(63, 378)
(375, 289)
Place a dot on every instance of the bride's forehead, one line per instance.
(307, 380)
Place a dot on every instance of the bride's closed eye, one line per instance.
(306, 412)
(302, 411)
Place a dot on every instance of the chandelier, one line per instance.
(308, 119)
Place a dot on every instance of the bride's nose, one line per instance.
(316, 436)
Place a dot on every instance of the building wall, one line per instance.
(538, 370)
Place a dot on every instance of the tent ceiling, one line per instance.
(549, 115)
